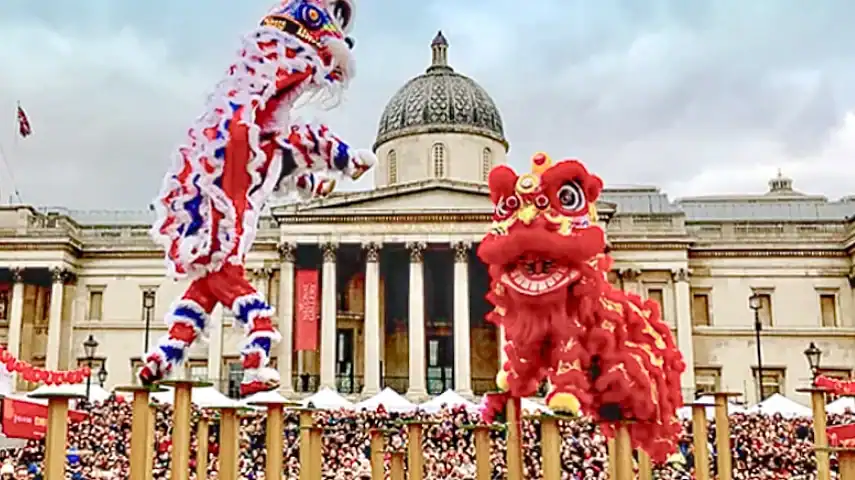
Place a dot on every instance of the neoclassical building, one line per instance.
(401, 292)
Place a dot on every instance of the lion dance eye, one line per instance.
(541, 201)
(571, 197)
(506, 206)
(311, 17)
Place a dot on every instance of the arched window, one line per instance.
(392, 165)
(486, 163)
(438, 156)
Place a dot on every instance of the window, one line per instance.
(828, 309)
(657, 294)
(707, 380)
(198, 370)
(773, 381)
(96, 303)
(765, 312)
(438, 157)
(392, 159)
(4, 303)
(486, 163)
(136, 365)
(701, 308)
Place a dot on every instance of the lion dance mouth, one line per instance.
(605, 352)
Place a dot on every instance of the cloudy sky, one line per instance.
(699, 97)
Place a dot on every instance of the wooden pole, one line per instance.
(317, 451)
(820, 434)
(376, 452)
(149, 444)
(415, 454)
(610, 445)
(623, 453)
(483, 466)
(306, 422)
(56, 435)
(514, 442)
(846, 457)
(202, 448)
(396, 469)
(701, 441)
(229, 449)
(645, 467)
(275, 442)
(724, 454)
(140, 413)
(180, 463)
(551, 450)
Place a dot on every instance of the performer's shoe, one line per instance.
(149, 376)
(563, 403)
(261, 380)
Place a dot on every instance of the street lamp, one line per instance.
(89, 347)
(102, 374)
(755, 303)
(813, 355)
(148, 309)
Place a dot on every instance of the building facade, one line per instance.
(402, 294)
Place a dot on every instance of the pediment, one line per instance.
(424, 196)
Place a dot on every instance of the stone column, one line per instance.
(462, 359)
(416, 327)
(630, 280)
(287, 257)
(54, 339)
(683, 304)
(371, 368)
(16, 317)
(215, 349)
(328, 315)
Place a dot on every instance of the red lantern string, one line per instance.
(34, 374)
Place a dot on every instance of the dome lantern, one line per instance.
(439, 53)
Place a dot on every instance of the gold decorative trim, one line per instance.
(826, 253)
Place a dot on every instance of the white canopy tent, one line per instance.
(781, 405)
(328, 399)
(204, 397)
(685, 413)
(391, 401)
(841, 405)
(449, 398)
(96, 393)
(531, 406)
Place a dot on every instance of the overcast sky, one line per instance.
(697, 97)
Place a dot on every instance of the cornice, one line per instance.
(771, 332)
(766, 253)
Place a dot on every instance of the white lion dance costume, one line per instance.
(240, 152)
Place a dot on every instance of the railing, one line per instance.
(305, 383)
(349, 384)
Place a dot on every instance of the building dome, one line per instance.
(440, 101)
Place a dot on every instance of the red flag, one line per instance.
(24, 128)
(307, 311)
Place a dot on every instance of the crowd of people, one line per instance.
(764, 447)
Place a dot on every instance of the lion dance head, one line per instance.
(605, 352)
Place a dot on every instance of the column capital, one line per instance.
(17, 274)
(329, 251)
(680, 274)
(417, 251)
(287, 251)
(372, 251)
(262, 273)
(630, 274)
(461, 251)
(59, 274)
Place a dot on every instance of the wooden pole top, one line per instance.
(140, 388)
(185, 383)
(725, 394)
(815, 389)
(56, 396)
(700, 405)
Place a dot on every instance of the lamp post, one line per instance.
(89, 347)
(102, 374)
(148, 310)
(755, 303)
(814, 356)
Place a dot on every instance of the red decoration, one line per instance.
(307, 309)
(40, 375)
(607, 353)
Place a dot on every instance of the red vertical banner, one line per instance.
(306, 309)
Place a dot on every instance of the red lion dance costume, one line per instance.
(605, 352)
(242, 150)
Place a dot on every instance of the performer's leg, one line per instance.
(569, 379)
(187, 319)
(519, 376)
(252, 312)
